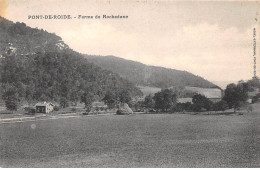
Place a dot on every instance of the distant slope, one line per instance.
(38, 66)
(144, 75)
(149, 90)
(211, 93)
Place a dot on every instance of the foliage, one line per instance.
(64, 102)
(235, 95)
(165, 99)
(11, 105)
(56, 108)
(149, 102)
(200, 101)
(18, 28)
(124, 96)
(220, 106)
(30, 110)
(138, 106)
(87, 98)
(73, 109)
(256, 98)
(110, 99)
(10, 96)
(181, 107)
(254, 83)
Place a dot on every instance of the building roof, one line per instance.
(43, 104)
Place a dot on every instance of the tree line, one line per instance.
(235, 96)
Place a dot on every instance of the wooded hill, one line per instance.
(144, 75)
(38, 66)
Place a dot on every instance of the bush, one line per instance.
(73, 109)
(201, 102)
(220, 106)
(30, 110)
(196, 108)
(97, 109)
(64, 102)
(11, 105)
(85, 113)
(56, 108)
(256, 98)
(26, 109)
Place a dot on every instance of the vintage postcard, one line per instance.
(129, 84)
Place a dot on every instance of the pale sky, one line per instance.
(210, 39)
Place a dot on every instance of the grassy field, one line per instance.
(147, 140)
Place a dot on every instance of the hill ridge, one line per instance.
(149, 75)
(36, 65)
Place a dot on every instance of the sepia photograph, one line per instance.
(129, 84)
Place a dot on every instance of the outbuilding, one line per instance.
(44, 107)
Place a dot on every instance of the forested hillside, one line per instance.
(145, 75)
(38, 66)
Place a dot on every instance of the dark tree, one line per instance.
(187, 106)
(110, 99)
(220, 106)
(11, 105)
(208, 105)
(138, 106)
(64, 102)
(149, 102)
(254, 83)
(11, 99)
(200, 101)
(165, 99)
(87, 98)
(235, 95)
(124, 96)
(181, 107)
(256, 98)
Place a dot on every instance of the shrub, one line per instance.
(220, 106)
(30, 110)
(64, 102)
(56, 108)
(73, 109)
(201, 102)
(11, 105)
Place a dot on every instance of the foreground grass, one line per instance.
(157, 140)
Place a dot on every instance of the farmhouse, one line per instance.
(44, 107)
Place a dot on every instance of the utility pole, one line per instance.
(254, 52)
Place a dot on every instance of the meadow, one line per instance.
(139, 140)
